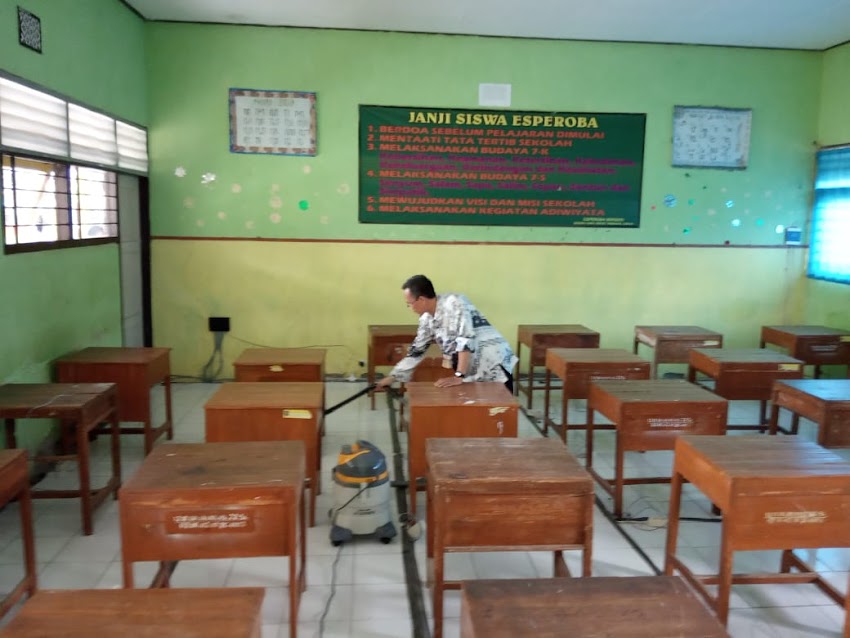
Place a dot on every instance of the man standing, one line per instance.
(471, 346)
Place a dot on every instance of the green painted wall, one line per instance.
(191, 68)
(327, 290)
(828, 303)
(59, 301)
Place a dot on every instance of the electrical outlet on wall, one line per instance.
(219, 324)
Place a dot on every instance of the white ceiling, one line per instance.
(786, 24)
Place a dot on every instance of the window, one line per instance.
(829, 257)
(32, 121)
(53, 204)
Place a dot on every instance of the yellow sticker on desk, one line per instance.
(297, 414)
(276, 368)
(845, 339)
(789, 367)
(495, 411)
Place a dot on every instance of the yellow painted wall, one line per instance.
(291, 294)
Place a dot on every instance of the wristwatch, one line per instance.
(459, 374)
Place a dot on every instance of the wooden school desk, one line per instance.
(81, 408)
(815, 345)
(671, 344)
(824, 401)
(134, 371)
(637, 607)
(465, 410)
(539, 338)
(164, 613)
(775, 492)
(430, 368)
(649, 415)
(268, 411)
(217, 500)
(15, 484)
(743, 374)
(280, 364)
(489, 494)
(386, 347)
(577, 368)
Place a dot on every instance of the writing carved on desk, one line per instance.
(209, 522)
(795, 517)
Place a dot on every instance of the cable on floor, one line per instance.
(415, 595)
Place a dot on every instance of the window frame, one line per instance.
(31, 247)
(823, 196)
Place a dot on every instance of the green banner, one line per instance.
(507, 168)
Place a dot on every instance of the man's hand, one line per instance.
(384, 383)
(447, 382)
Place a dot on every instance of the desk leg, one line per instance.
(530, 378)
(547, 381)
(774, 419)
(370, 373)
(115, 427)
(672, 521)
(847, 615)
(560, 569)
(724, 584)
(167, 385)
(618, 476)
(438, 583)
(564, 405)
(11, 439)
(518, 380)
(25, 504)
(85, 478)
(411, 483)
(587, 551)
(129, 581)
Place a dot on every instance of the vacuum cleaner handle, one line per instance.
(357, 395)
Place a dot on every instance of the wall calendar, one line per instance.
(272, 122)
(711, 137)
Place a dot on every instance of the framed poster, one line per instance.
(711, 137)
(477, 167)
(272, 122)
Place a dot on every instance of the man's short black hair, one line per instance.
(419, 286)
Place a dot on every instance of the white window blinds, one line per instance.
(37, 122)
(92, 136)
(31, 120)
(132, 147)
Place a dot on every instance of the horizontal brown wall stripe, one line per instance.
(470, 243)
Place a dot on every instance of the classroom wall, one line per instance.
(62, 300)
(828, 303)
(274, 241)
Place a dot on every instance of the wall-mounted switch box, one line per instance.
(793, 236)
(219, 324)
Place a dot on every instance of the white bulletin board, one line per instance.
(711, 137)
(272, 122)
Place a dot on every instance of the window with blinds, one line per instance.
(57, 186)
(53, 204)
(35, 122)
(829, 257)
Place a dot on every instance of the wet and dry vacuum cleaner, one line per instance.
(361, 492)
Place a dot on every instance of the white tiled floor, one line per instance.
(369, 596)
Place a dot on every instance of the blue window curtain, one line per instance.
(829, 246)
